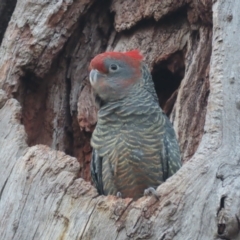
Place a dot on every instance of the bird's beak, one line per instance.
(93, 76)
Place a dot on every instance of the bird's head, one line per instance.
(113, 74)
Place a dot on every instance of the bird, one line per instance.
(134, 145)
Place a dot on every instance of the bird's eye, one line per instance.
(113, 67)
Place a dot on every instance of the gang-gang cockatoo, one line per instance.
(134, 143)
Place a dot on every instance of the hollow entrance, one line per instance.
(167, 75)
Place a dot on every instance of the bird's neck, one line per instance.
(136, 104)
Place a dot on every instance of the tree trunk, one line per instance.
(47, 115)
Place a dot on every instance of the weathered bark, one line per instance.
(46, 99)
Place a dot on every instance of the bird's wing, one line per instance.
(96, 171)
(173, 158)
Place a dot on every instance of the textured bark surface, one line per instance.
(47, 115)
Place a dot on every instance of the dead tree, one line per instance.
(47, 116)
